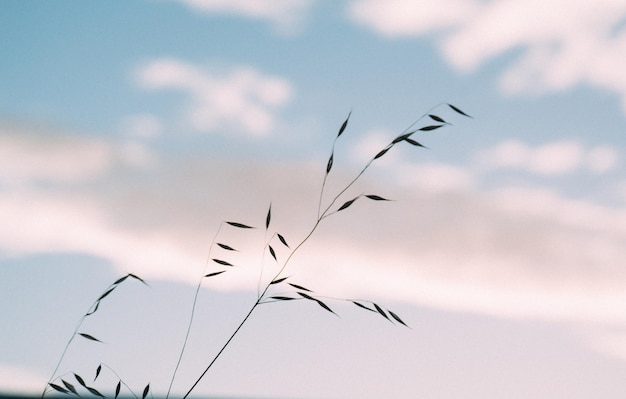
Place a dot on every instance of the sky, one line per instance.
(131, 131)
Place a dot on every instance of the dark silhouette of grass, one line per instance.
(280, 288)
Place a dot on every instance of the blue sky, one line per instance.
(130, 130)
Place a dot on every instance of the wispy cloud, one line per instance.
(145, 126)
(29, 156)
(554, 159)
(285, 14)
(513, 253)
(509, 252)
(25, 156)
(397, 18)
(40, 222)
(241, 98)
(563, 43)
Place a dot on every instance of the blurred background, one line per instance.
(129, 131)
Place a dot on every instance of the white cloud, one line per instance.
(38, 222)
(602, 159)
(25, 156)
(242, 98)
(407, 17)
(32, 156)
(564, 43)
(513, 253)
(556, 158)
(142, 126)
(508, 154)
(158, 230)
(552, 159)
(137, 154)
(283, 13)
(435, 177)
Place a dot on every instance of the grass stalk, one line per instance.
(193, 312)
(302, 292)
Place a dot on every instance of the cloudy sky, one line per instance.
(130, 131)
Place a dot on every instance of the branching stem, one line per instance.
(320, 217)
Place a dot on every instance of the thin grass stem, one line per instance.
(222, 349)
(193, 312)
(69, 342)
(320, 217)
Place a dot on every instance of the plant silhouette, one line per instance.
(279, 288)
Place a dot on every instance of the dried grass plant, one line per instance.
(279, 288)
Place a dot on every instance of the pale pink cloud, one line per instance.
(563, 43)
(512, 252)
(241, 98)
(285, 14)
(550, 159)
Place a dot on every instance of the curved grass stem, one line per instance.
(222, 349)
(320, 216)
(193, 312)
(90, 311)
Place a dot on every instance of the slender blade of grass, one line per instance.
(137, 278)
(382, 152)
(222, 262)
(415, 143)
(89, 337)
(94, 391)
(226, 247)
(376, 197)
(397, 318)
(347, 204)
(80, 380)
(402, 137)
(279, 280)
(323, 305)
(120, 280)
(329, 165)
(430, 127)
(381, 311)
(362, 306)
(282, 239)
(344, 125)
(300, 287)
(240, 225)
(58, 388)
(214, 273)
(282, 298)
(436, 118)
(456, 109)
(106, 293)
(70, 387)
(306, 296)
